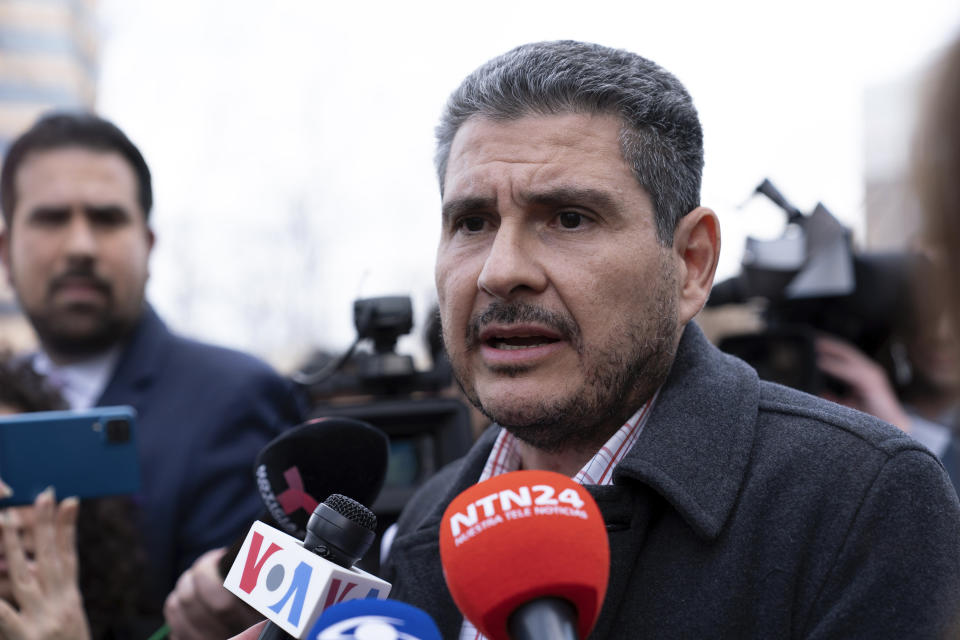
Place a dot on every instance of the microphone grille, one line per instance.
(352, 510)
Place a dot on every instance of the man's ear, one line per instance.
(5, 253)
(696, 245)
(151, 242)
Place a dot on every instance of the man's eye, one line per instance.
(472, 223)
(570, 219)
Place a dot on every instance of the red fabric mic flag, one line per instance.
(522, 536)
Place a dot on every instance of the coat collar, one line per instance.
(696, 446)
(139, 363)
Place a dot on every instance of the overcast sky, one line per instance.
(291, 141)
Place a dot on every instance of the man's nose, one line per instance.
(81, 241)
(512, 265)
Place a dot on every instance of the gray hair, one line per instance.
(661, 137)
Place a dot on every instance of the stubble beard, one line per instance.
(77, 331)
(618, 377)
(58, 335)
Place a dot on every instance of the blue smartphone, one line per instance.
(87, 453)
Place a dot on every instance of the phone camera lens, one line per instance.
(118, 431)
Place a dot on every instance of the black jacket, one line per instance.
(745, 510)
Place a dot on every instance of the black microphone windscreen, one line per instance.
(306, 464)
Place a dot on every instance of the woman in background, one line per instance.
(68, 571)
(937, 165)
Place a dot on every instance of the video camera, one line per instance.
(382, 387)
(384, 371)
(810, 280)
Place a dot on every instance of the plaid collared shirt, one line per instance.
(505, 457)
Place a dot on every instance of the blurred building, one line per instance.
(893, 214)
(48, 60)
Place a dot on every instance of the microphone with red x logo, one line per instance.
(297, 470)
(304, 465)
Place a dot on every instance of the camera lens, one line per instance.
(118, 430)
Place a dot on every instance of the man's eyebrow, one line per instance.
(106, 209)
(460, 206)
(559, 196)
(50, 207)
(47, 209)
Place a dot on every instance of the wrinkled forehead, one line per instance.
(535, 149)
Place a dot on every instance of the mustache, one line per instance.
(73, 274)
(521, 312)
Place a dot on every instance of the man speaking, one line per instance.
(574, 253)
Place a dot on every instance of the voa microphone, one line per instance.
(293, 582)
(374, 620)
(526, 556)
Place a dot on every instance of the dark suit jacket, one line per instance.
(203, 413)
(745, 510)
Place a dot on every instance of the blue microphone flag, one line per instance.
(369, 619)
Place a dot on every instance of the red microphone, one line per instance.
(525, 556)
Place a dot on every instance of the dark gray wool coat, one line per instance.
(745, 510)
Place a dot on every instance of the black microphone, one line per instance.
(321, 457)
(306, 463)
(340, 531)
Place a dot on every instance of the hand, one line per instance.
(45, 590)
(199, 607)
(870, 389)
(252, 633)
(5, 490)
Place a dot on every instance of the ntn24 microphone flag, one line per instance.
(291, 585)
(521, 536)
(374, 620)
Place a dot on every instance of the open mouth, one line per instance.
(79, 285)
(514, 343)
(518, 338)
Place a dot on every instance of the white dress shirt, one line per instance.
(82, 383)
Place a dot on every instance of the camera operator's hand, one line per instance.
(45, 588)
(199, 607)
(870, 389)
